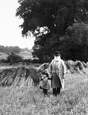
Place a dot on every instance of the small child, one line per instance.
(44, 82)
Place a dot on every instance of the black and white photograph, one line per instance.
(43, 57)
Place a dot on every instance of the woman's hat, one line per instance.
(57, 53)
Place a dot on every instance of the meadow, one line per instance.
(29, 99)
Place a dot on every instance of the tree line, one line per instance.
(12, 49)
(57, 25)
(9, 49)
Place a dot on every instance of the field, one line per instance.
(29, 100)
(23, 54)
(3, 55)
(26, 55)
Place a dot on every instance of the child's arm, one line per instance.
(49, 78)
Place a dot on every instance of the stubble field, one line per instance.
(29, 100)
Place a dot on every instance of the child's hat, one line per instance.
(45, 72)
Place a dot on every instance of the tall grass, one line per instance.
(29, 100)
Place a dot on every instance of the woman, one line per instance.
(57, 70)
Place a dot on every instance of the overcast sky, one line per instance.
(10, 33)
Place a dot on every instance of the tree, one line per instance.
(76, 42)
(48, 21)
(14, 58)
(7, 49)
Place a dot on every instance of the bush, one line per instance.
(14, 58)
(35, 61)
(3, 61)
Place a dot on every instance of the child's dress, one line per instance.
(45, 83)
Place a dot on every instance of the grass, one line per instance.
(29, 100)
(26, 55)
(3, 55)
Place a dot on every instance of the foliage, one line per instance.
(48, 20)
(7, 49)
(75, 42)
(14, 58)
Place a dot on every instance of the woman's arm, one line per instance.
(64, 66)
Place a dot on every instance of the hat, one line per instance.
(45, 73)
(57, 53)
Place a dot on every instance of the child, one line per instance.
(44, 83)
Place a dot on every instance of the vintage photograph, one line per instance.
(43, 57)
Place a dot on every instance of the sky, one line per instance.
(10, 32)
